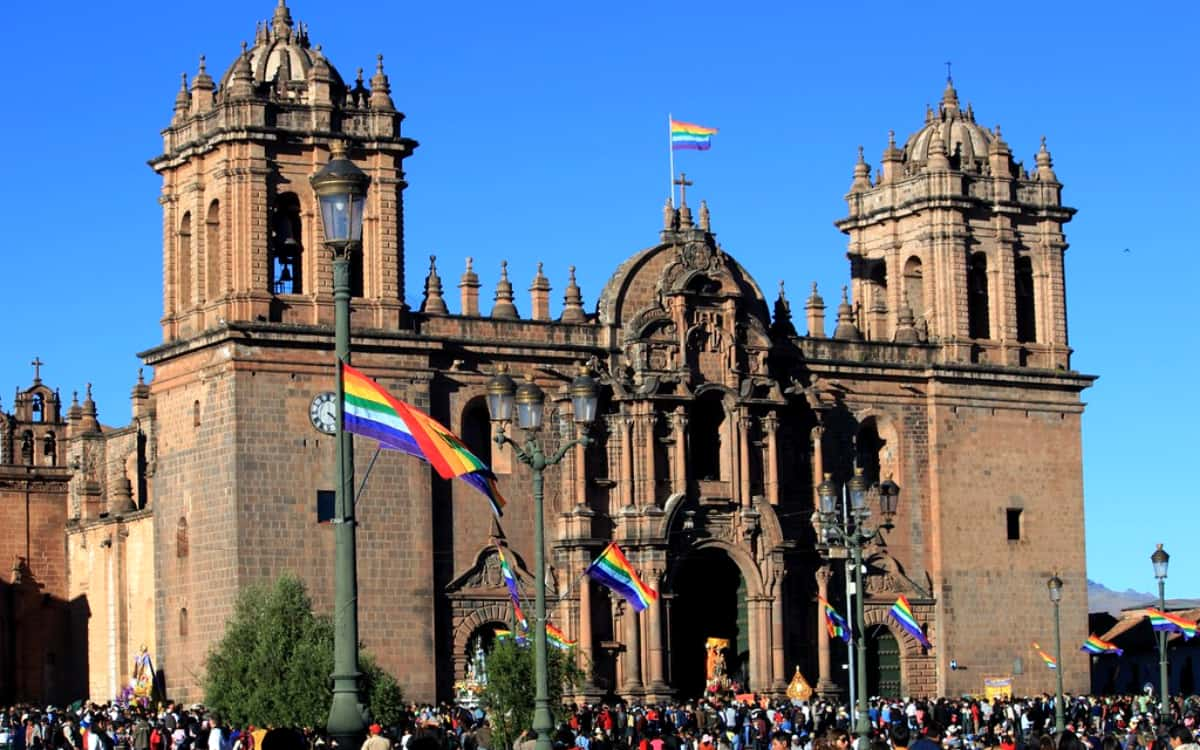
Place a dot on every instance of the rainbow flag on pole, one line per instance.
(902, 613)
(369, 410)
(837, 627)
(1171, 623)
(1094, 645)
(511, 582)
(686, 136)
(613, 570)
(1046, 658)
(557, 638)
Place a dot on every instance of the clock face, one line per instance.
(322, 412)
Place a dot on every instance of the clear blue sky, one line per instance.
(542, 131)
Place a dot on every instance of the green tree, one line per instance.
(272, 666)
(508, 696)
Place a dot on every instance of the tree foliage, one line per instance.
(272, 666)
(509, 694)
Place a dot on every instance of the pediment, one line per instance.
(483, 577)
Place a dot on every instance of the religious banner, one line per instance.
(143, 675)
(997, 687)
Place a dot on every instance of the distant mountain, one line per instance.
(1103, 599)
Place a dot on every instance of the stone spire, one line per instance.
(573, 301)
(182, 99)
(1045, 166)
(999, 156)
(202, 89)
(949, 99)
(241, 84)
(906, 329)
(893, 160)
(281, 24)
(122, 497)
(468, 288)
(705, 217)
(938, 160)
(504, 308)
(75, 412)
(381, 92)
(814, 313)
(539, 293)
(670, 217)
(88, 421)
(846, 329)
(433, 304)
(782, 325)
(862, 175)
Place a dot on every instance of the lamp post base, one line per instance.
(347, 724)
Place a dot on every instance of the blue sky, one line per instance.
(542, 133)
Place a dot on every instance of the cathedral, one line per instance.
(944, 367)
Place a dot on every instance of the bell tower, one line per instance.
(241, 233)
(956, 244)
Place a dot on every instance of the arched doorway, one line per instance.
(708, 601)
(883, 663)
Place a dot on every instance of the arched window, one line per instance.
(181, 538)
(867, 446)
(50, 448)
(977, 297)
(914, 287)
(183, 622)
(1026, 320)
(184, 277)
(704, 437)
(286, 250)
(196, 413)
(213, 254)
(38, 408)
(477, 430)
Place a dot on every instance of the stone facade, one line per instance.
(948, 371)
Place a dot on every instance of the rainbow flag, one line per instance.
(1093, 645)
(511, 582)
(837, 627)
(902, 613)
(1046, 658)
(1171, 623)
(557, 638)
(369, 410)
(613, 570)
(504, 634)
(690, 137)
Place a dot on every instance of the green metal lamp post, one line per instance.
(855, 535)
(528, 399)
(1054, 586)
(341, 190)
(1160, 558)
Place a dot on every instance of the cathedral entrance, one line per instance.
(883, 663)
(709, 601)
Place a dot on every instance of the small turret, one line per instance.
(938, 160)
(88, 422)
(573, 301)
(183, 100)
(814, 313)
(906, 329)
(381, 92)
(862, 175)
(504, 308)
(782, 324)
(433, 303)
(202, 89)
(241, 82)
(705, 217)
(468, 288)
(539, 294)
(999, 156)
(893, 161)
(846, 329)
(1045, 166)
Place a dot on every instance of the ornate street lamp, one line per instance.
(1159, 559)
(1054, 587)
(341, 190)
(835, 534)
(529, 400)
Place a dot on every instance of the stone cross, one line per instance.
(684, 183)
(37, 369)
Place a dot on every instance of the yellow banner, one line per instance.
(997, 687)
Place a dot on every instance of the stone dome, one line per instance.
(966, 142)
(281, 53)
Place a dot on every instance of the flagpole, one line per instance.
(671, 156)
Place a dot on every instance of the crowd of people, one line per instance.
(1091, 723)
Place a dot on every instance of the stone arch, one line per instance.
(475, 427)
(286, 258)
(917, 668)
(886, 461)
(213, 256)
(487, 612)
(741, 557)
(880, 615)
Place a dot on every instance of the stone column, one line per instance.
(657, 689)
(825, 684)
(743, 433)
(770, 427)
(626, 423)
(818, 461)
(649, 468)
(585, 631)
(777, 657)
(632, 685)
(679, 422)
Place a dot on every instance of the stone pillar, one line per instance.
(818, 461)
(679, 422)
(650, 495)
(632, 684)
(770, 428)
(777, 657)
(744, 457)
(825, 684)
(657, 689)
(626, 423)
(584, 650)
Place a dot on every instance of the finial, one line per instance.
(89, 392)
(203, 68)
(781, 292)
(504, 270)
(949, 77)
(380, 90)
(862, 174)
(891, 139)
(998, 131)
(359, 79)
(1043, 143)
(141, 377)
(846, 328)
(669, 217)
(379, 63)
(782, 324)
(504, 307)
(434, 303)
(705, 217)
(244, 46)
(845, 297)
(75, 398)
(573, 300)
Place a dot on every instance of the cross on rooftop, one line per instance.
(37, 369)
(684, 183)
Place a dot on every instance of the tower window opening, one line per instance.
(184, 292)
(914, 287)
(212, 251)
(287, 252)
(704, 438)
(977, 297)
(1026, 319)
(1013, 522)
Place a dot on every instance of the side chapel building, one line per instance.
(947, 369)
